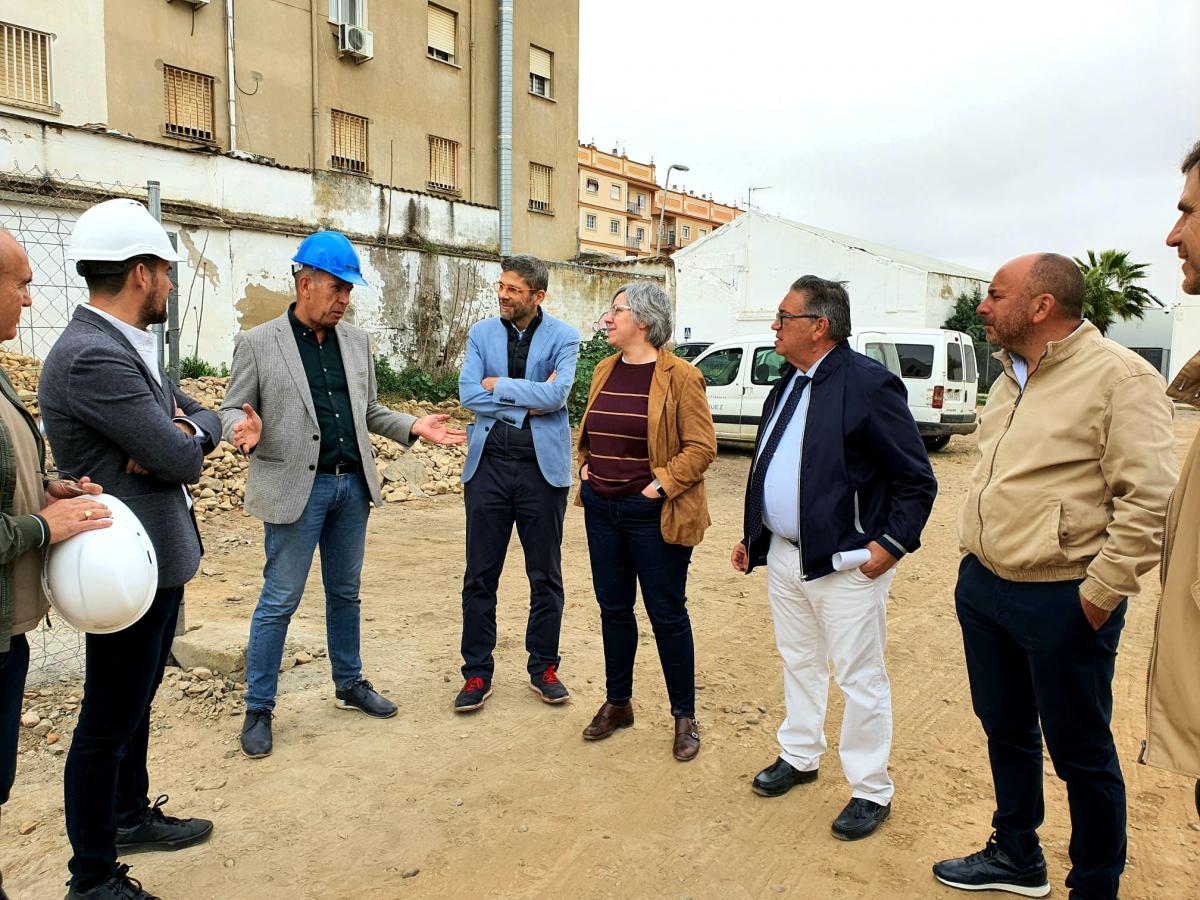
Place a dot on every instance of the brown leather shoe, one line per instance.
(687, 738)
(609, 719)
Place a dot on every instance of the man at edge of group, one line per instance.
(302, 402)
(34, 514)
(838, 466)
(110, 411)
(516, 378)
(1062, 517)
(1173, 700)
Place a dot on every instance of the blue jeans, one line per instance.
(626, 547)
(1039, 671)
(335, 519)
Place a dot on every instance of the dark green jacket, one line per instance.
(18, 534)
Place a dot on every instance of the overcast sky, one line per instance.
(960, 131)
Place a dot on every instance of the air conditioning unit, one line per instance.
(358, 42)
(195, 2)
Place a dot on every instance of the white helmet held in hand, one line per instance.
(117, 230)
(103, 580)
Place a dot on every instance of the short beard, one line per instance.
(148, 315)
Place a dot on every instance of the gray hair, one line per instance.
(650, 305)
(828, 299)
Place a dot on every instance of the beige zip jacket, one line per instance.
(1173, 695)
(1075, 471)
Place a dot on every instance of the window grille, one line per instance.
(188, 97)
(443, 164)
(25, 66)
(349, 142)
(540, 183)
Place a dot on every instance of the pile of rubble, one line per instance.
(46, 718)
(200, 692)
(404, 473)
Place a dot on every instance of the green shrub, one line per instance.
(414, 383)
(195, 367)
(590, 353)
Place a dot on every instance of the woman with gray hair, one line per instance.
(646, 441)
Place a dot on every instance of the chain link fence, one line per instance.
(40, 208)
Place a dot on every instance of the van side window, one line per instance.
(954, 363)
(721, 368)
(875, 352)
(972, 372)
(767, 364)
(916, 360)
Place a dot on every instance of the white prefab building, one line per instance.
(730, 282)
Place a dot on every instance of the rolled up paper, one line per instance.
(850, 559)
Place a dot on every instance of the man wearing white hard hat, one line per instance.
(109, 410)
(312, 473)
(34, 513)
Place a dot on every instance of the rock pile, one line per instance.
(200, 692)
(47, 717)
(23, 372)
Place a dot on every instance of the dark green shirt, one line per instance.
(330, 393)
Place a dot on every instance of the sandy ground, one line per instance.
(511, 802)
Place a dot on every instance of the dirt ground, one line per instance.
(511, 802)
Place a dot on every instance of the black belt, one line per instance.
(341, 468)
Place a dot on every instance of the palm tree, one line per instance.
(1110, 288)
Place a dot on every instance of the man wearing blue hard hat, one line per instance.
(311, 378)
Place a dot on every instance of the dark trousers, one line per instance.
(105, 782)
(1033, 656)
(501, 493)
(14, 664)
(626, 547)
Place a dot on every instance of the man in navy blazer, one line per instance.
(839, 468)
(109, 411)
(516, 378)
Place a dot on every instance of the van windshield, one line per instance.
(916, 360)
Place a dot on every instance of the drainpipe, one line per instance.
(232, 76)
(316, 95)
(504, 142)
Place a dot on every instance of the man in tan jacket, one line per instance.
(1173, 701)
(1063, 515)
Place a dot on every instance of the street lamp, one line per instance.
(662, 210)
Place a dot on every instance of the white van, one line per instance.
(938, 368)
(739, 373)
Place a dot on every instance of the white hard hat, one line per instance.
(117, 230)
(103, 580)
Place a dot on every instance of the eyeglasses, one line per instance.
(781, 317)
(501, 288)
(614, 309)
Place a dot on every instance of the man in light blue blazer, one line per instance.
(516, 379)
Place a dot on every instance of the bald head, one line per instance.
(15, 276)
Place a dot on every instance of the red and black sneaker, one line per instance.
(548, 687)
(473, 694)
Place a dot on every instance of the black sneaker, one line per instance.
(161, 832)
(859, 819)
(991, 869)
(118, 887)
(548, 687)
(362, 696)
(473, 694)
(256, 734)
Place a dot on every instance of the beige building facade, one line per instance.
(620, 204)
(402, 94)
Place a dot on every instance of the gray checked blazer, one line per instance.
(100, 407)
(268, 374)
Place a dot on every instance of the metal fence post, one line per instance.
(154, 201)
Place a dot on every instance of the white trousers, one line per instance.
(840, 618)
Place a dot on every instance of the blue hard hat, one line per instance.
(330, 252)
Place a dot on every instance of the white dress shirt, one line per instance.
(781, 489)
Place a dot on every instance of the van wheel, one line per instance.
(935, 443)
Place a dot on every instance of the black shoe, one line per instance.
(256, 734)
(118, 887)
(779, 778)
(362, 696)
(473, 694)
(548, 687)
(161, 832)
(991, 869)
(859, 819)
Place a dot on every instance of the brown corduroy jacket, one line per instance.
(1173, 697)
(682, 442)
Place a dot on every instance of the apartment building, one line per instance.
(620, 204)
(401, 94)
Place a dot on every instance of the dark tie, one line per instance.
(754, 498)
